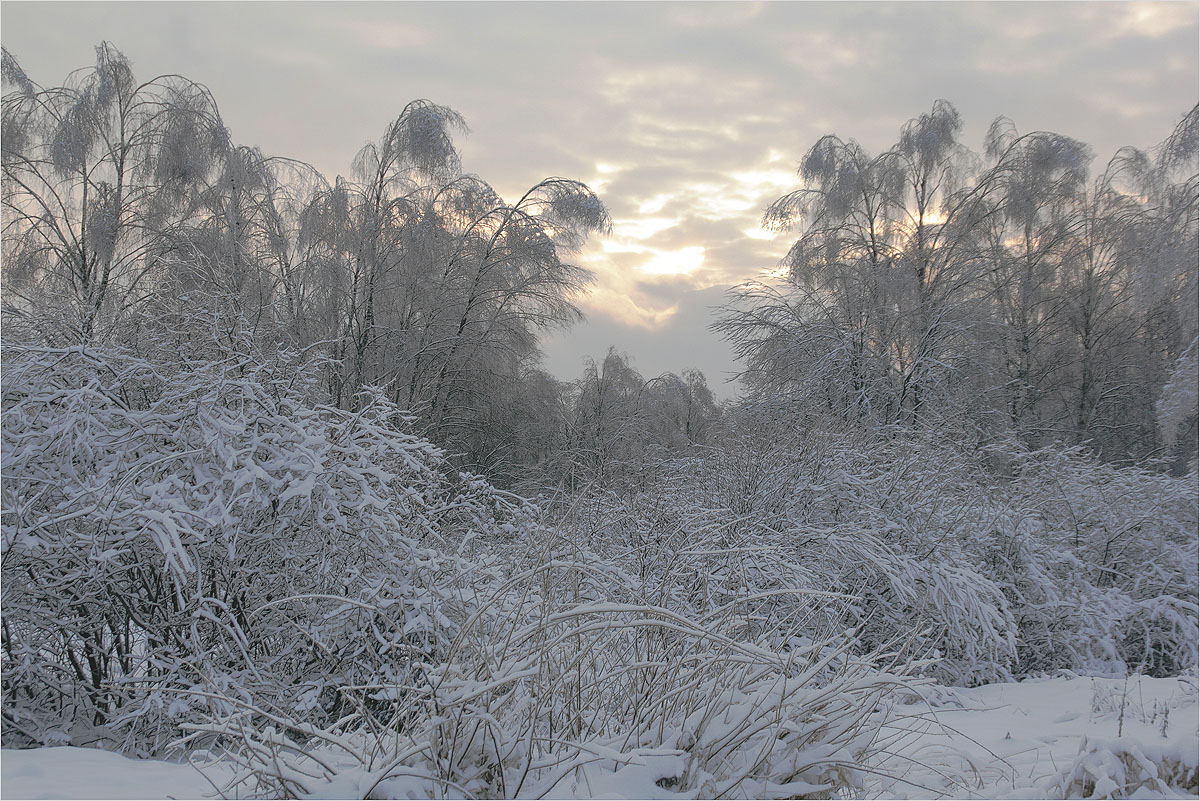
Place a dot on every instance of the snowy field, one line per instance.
(1046, 738)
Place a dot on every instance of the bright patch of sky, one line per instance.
(687, 118)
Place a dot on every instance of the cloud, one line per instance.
(684, 261)
(719, 15)
(380, 34)
(1159, 19)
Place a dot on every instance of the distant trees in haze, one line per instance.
(615, 423)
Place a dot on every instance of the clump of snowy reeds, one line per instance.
(559, 684)
(1126, 767)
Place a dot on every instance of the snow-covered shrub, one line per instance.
(313, 591)
(882, 525)
(210, 528)
(560, 681)
(892, 523)
(999, 563)
(942, 607)
(1126, 768)
(1102, 572)
(1176, 406)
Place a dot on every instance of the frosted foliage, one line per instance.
(189, 145)
(245, 169)
(104, 226)
(14, 133)
(932, 137)
(420, 138)
(222, 492)
(12, 73)
(90, 111)
(75, 134)
(425, 280)
(115, 80)
(1038, 169)
(100, 174)
(1179, 396)
(575, 207)
(413, 276)
(1004, 295)
(1180, 148)
(1001, 136)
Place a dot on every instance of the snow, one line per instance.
(70, 772)
(1013, 740)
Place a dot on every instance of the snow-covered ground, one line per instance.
(90, 773)
(998, 741)
(1014, 740)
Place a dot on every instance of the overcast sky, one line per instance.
(687, 118)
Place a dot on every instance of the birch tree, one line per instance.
(98, 173)
(877, 299)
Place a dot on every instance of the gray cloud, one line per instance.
(687, 118)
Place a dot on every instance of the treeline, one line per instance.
(131, 217)
(1007, 293)
(990, 295)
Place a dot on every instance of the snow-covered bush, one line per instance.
(205, 552)
(209, 527)
(561, 681)
(1128, 768)
(1102, 572)
(889, 523)
(997, 563)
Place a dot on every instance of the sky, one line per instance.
(688, 119)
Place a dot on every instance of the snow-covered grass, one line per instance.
(1058, 737)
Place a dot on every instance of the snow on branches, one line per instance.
(164, 528)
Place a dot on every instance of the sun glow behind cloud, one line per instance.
(675, 262)
(1158, 19)
(641, 228)
(685, 235)
(760, 233)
